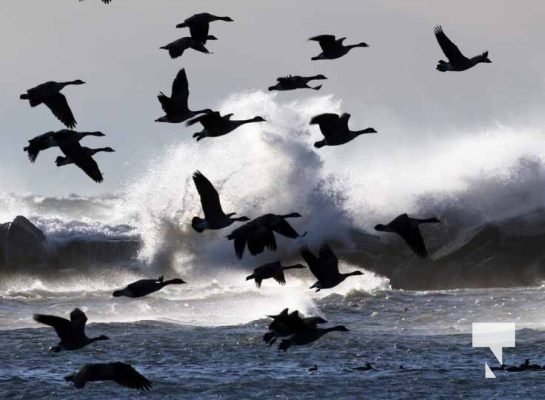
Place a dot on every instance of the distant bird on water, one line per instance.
(178, 47)
(48, 139)
(408, 229)
(333, 48)
(214, 217)
(456, 60)
(175, 106)
(71, 332)
(259, 233)
(199, 25)
(273, 270)
(49, 93)
(61, 161)
(215, 124)
(104, 1)
(335, 129)
(292, 82)
(325, 268)
(144, 287)
(121, 373)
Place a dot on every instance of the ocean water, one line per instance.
(210, 346)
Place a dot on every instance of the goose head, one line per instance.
(258, 119)
(108, 150)
(292, 215)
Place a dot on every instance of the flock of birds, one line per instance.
(257, 234)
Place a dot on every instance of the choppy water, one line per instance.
(210, 347)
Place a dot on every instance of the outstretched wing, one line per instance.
(78, 320)
(180, 89)
(327, 42)
(82, 159)
(61, 325)
(210, 198)
(328, 260)
(126, 375)
(452, 52)
(329, 123)
(313, 262)
(414, 239)
(60, 108)
(199, 30)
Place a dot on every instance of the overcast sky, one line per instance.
(392, 85)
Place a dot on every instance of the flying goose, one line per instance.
(144, 287)
(335, 129)
(284, 325)
(408, 229)
(215, 124)
(68, 142)
(175, 106)
(309, 335)
(292, 82)
(176, 48)
(199, 25)
(60, 161)
(71, 332)
(273, 270)
(325, 268)
(121, 373)
(456, 60)
(333, 48)
(49, 93)
(214, 217)
(47, 140)
(259, 233)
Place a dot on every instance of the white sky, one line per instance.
(392, 85)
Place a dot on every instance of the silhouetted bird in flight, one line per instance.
(408, 229)
(335, 129)
(292, 82)
(68, 142)
(61, 161)
(144, 287)
(48, 139)
(178, 47)
(259, 233)
(214, 217)
(71, 332)
(333, 48)
(121, 373)
(284, 325)
(325, 268)
(273, 270)
(199, 25)
(456, 60)
(175, 106)
(215, 124)
(49, 93)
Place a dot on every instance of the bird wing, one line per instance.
(126, 375)
(210, 198)
(84, 161)
(78, 320)
(314, 263)
(283, 228)
(329, 124)
(452, 51)
(61, 325)
(60, 108)
(240, 244)
(328, 259)
(199, 30)
(212, 118)
(180, 89)
(327, 42)
(280, 278)
(414, 239)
